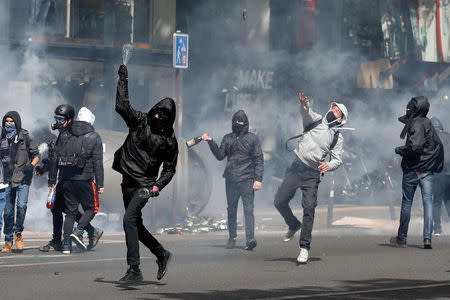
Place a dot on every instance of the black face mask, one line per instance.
(331, 119)
(237, 128)
(409, 112)
(159, 123)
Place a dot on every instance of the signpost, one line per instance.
(180, 59)
(180, 50)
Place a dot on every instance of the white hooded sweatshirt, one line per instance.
(314, 146)
(84, 114)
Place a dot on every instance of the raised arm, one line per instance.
(131, 116)
(308, 115)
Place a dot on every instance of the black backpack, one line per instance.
(72, 153)
(309, 128)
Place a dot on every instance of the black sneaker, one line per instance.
(131, 276)
(163, 262)
(66, 247)
(250, 245)
(290, 233)
(51, 245)
(231, 243)
(427, 244)
(397, 243)
(77, 238)
(94, 238)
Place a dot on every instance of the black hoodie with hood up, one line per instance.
(423, 150)
(243, 150)
(80, 137)
(22, 150)
(148, 144)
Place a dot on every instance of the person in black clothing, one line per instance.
(64, 115)
(423, 155)
(150, 142)
(243, 174)
(441, 184)
(78, 156)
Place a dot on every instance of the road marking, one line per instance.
(367, 291)
(67, 262)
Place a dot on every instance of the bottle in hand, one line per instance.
(51, 198)
(194, 141)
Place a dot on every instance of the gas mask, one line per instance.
(58, 123)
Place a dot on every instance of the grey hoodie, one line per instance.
(314, 146)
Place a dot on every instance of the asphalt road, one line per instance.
(341, 266)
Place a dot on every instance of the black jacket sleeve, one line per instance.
(169, 168)
(415, 143)
(97, 159)
(33, 148)
(219, 153)
(52, 167)
(131, 116)
(258, 159)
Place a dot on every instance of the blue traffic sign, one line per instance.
(180, 50)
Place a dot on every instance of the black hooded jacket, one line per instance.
(243, 150)
(22, 150)
(423, 150)
(79, 137)
(143, 152)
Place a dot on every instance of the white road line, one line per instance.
(66, 262)
(366, 291)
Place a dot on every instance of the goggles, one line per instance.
(59, 118)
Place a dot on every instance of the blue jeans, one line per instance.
(21, 192)
(409, 184)
(2, 206)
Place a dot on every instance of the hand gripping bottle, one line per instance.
(194, 141)
(51, 198)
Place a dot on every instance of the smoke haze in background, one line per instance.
(324, 74)
(214, 89)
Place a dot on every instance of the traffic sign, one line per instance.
(180, 50)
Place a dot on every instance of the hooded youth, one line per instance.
(423, 150)
(150, 142)
(314, 145)
(245, 159)
(23, 149)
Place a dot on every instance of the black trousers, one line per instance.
(135, 230)
(57, 214)
(299, 175)
(234, 191)
(77, 192)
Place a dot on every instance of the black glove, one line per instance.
(399, 151)
(123, 72)
(28, 169)
(40, 170)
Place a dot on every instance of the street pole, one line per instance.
(179, 120)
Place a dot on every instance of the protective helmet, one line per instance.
(65, 110)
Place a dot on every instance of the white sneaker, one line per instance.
(303, 256)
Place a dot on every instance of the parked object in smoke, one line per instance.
(194, 141)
